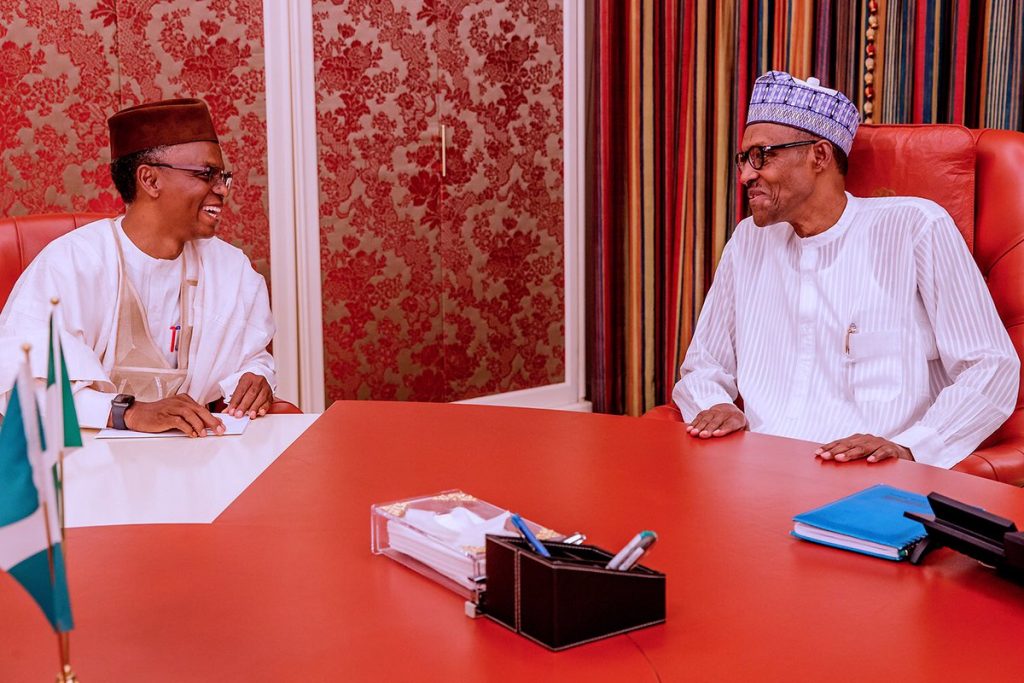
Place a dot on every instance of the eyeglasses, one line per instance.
(208, 174)
(758, 154)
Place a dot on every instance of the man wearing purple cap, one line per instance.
(159, 316)
(860, 324)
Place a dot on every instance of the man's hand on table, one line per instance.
(873, 448)
(251, 397)
(174, 412)
(718, 420)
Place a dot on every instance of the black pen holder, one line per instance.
(569, 599)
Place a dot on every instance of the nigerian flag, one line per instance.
(62, 430)
(30, 548)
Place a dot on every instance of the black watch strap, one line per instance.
(118, 407)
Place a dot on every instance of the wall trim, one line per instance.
(575, 73)
(555, 396)
(294, 212)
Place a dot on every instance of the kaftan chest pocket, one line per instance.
(874, 366)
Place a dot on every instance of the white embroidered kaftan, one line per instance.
(882, 325)
(230, 312)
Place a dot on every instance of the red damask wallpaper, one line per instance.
(440, 288)
(66, 65)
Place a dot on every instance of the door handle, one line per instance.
(444, 150)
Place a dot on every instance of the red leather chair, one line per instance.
(975, 175)
(21, 239)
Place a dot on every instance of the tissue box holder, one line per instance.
(461, 569)
(569, 599)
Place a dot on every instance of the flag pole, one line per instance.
(57, 370)
(65, 675)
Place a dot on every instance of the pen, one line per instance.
(852, 329)
(519, 524)
(628, 556)
(575, 539)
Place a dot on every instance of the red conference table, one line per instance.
(282, 586)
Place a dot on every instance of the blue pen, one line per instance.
(519, 524)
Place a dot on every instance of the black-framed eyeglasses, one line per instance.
(758, 154)
(210, 175)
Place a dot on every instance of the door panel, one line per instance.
(500, 67)
(440, 286)
(379, 201)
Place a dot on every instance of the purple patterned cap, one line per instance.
(806, 105)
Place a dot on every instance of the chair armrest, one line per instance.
(278, 407)
(282, 407)
(1003, 462)
(978, 465)
(1000, 456)
(667, 412)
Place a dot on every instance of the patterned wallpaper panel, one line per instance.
(67, 65)
(379, 201)
(500, 67)
(440, 289)
(58, 85)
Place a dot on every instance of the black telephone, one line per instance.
(988, 538)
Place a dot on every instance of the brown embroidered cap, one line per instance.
(155, 124)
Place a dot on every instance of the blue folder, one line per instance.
(869, 521)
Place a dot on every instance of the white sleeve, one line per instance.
(708, 373)
(261, 363)
(57, 271)
(973, 346)
(92, 406)
(259, 329)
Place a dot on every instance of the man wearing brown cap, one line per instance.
(159, 316)
(860, 324)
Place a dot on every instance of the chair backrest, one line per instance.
(919, 161)
(999, 232)
(21, 239)
(973, 174)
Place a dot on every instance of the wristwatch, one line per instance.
(120, 404)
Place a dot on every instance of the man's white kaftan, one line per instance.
(881, 325)
(230, 313)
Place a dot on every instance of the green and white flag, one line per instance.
(62, 430)
(30, 548)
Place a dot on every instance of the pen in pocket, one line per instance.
(852, 329)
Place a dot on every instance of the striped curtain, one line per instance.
(949, 61)
(669, 83)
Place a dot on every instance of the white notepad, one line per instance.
(232, 426)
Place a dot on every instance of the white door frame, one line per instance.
(294, 195)
(292, 166)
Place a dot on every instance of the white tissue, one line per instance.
(459, 528)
